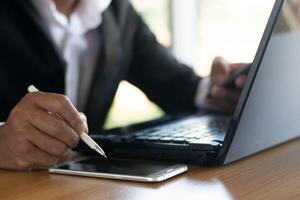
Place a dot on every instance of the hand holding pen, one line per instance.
(32, 137)
(83, 135)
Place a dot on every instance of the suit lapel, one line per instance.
(107, 77)
(52, 61)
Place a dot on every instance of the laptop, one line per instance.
(267, 114)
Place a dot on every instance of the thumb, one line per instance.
(83, 117)
(220, 70)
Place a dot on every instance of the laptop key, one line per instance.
(154, 138)
(166, 139)
(194, 134)
(139, 134)
(141, 138)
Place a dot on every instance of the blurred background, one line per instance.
(195, 31)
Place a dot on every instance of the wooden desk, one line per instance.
(273, 174)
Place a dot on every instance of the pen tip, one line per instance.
(100, 152)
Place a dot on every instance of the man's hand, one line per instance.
(221, 98)
(39, 130)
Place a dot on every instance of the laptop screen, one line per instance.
(269, 110)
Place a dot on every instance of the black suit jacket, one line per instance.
(129, 52)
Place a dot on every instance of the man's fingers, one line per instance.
(28, 155)
(60, 105)
(225, 95)
(223, 106)
(222, 64)
(220, 70)
(222, 99)
(84, 118)
(237, 66)
(47, 143)
(37, 157)
(54, 127)
(240, 81)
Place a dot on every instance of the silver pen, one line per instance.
(83, 136)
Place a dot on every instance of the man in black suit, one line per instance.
(82, 50)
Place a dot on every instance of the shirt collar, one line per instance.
(86, 16)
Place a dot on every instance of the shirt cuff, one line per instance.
(202, 92)
(2, 123)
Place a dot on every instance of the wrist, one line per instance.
(202, 93)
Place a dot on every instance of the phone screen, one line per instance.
(117, 166)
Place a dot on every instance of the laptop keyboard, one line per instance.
(184, 131)
(192, 130)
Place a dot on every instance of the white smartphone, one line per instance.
(122, 169)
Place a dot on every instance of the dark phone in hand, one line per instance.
(229, 83)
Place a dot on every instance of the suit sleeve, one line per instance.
(167, 82)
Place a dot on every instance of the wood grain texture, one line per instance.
(272, 174)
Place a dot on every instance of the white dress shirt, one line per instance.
(77, 40)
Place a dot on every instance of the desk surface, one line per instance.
(272, 174)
